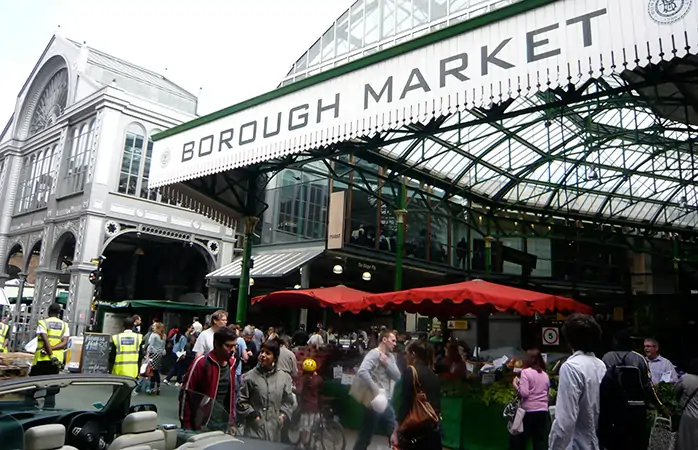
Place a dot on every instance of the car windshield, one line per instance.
(72, 396)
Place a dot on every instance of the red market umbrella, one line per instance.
(468, 297)
(330, 297)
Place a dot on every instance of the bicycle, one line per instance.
(326, 433)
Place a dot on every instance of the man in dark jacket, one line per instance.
(207, 398)
(626, 393)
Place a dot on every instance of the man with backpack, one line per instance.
(626, 393)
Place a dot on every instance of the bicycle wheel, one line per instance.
(332, 437)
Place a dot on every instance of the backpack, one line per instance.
(621, 391)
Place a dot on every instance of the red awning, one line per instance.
(468, 297)
(330, 297)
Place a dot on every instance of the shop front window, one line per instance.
(365, 205)
(438, 236)
(301, 204)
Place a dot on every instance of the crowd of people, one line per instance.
(254, 378)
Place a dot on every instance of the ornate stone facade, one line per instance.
(94, 210)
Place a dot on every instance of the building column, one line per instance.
(79, 309)
(16, 339)
(9, 178)
(244, 287)
(44, 295)
(305, 284)
(400, 213)
(488, 255)
(45, 288)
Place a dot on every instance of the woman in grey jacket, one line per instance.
(266, 399)
(687, 391)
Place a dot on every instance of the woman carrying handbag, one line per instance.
(418, 419)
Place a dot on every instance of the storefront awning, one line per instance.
(469, 297)
(331, 297)
(161, 304)
(269, 264)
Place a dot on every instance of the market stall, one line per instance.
(467, 297)
(336, 298)
(475, 392)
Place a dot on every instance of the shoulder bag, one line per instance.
(422, 413)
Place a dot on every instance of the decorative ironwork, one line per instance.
(51, 104)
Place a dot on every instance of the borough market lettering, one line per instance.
(452, 69)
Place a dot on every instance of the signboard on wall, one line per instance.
(335, 221)
(551, 336)
(457, 324)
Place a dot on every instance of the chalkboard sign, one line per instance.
(95, 353)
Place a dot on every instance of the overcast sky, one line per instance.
(233, 49)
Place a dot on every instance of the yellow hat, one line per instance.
(309, 365)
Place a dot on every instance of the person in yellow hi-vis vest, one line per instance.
(124, 351)
(4, 330)
(52, 334)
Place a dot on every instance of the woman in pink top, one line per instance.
(533, 387)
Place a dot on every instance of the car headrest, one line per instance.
(44, 437)
(140, 422)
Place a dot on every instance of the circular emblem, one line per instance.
(165, 158)
(668, 11)
(551, 336)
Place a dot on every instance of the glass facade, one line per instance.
(449, 235)
(372, 25)
(297, 209)
(36, 179)
(78, 151)
(135, 164)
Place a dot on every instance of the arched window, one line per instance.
(135, 164)
(35, 180)
(78, 150)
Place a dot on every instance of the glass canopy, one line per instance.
(372, 25)
(609, 157)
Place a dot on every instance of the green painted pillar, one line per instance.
(399, 247)
(244, 287)
(677, 259)
(399, 317)
(488, 255)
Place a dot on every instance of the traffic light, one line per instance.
(95, 277)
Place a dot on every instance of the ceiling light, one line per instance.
(251, 281)
(366, 276)
(298, 286)
(338, 269)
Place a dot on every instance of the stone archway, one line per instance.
(145, 266)
(15, 260)
(63, 252)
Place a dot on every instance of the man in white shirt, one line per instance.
(204, 343)
(661, 368)
(316, 340)
(196, 326)
(578, 394)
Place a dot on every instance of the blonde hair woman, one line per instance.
(154, 354)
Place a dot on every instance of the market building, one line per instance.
(541, 143)
(74, 164)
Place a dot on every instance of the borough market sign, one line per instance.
(567, 41)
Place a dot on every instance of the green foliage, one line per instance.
(499, 393)
(666, 394)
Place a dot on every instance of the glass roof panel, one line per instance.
(371, 24)
(597, 158)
